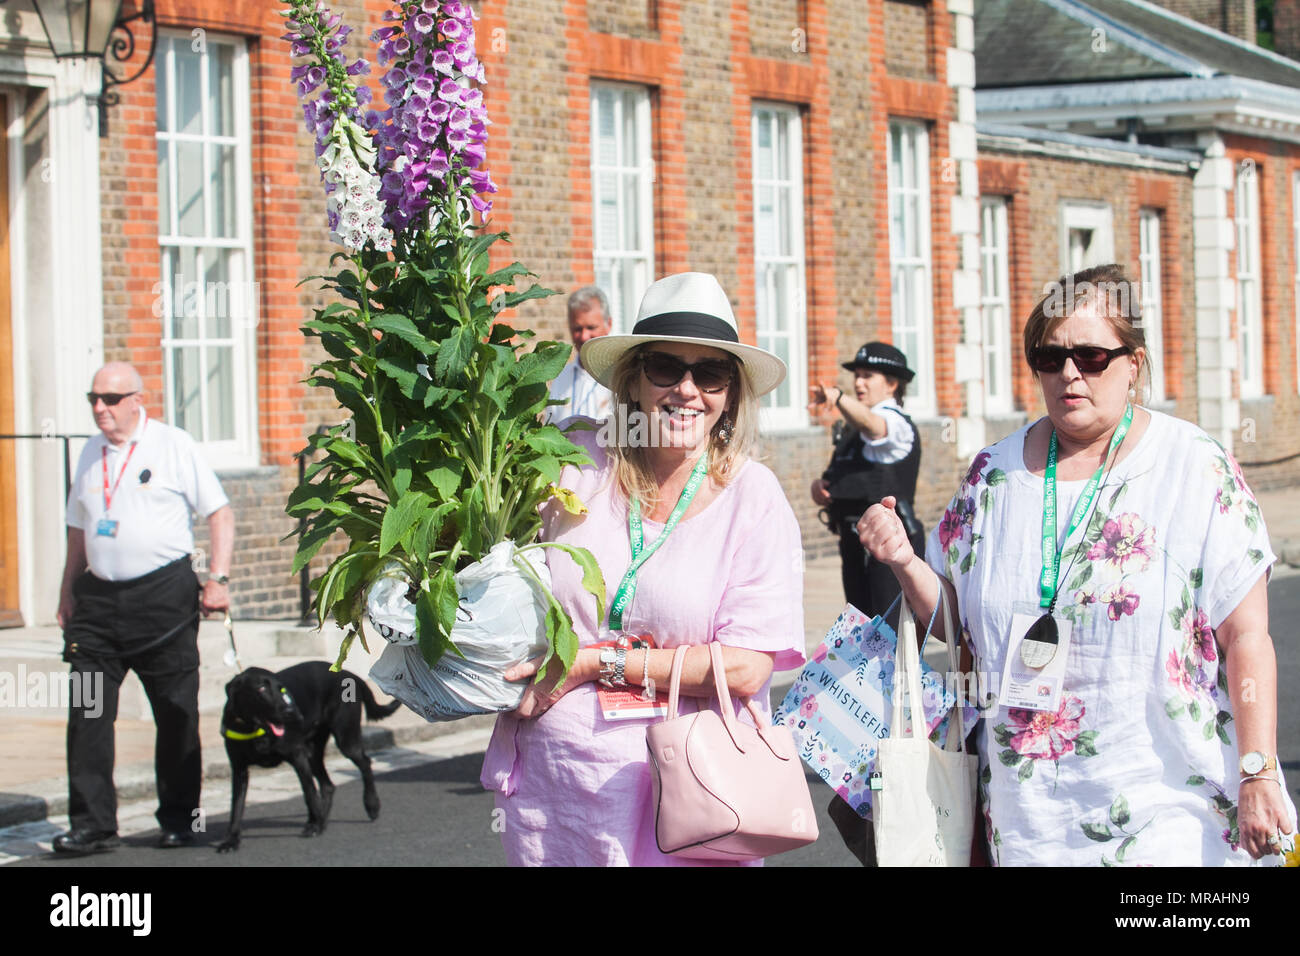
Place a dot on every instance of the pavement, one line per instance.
(33, 690)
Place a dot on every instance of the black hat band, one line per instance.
(694, 325)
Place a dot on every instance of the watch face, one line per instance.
(1253, 762)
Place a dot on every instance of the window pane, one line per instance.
(221, 393)
(607, 211)
(631, 219)
(221, 118)
(164, 188)
(187, 412)
(186, 297)
(160, 93)
(221, 163)
(189, 89)
(217, 294)
(189, 189)
(606, 140)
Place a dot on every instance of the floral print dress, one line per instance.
(1138, 765)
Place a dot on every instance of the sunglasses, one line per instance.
(108, 398)
(665, 371)
(1087, 358)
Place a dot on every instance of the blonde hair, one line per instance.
(632, 468)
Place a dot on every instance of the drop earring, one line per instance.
(725, 432)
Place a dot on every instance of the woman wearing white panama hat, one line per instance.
(721, 562)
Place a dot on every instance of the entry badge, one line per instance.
(106, 528)
(1033, 688)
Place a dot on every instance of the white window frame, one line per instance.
(1096, 217)
(995, 304)
(787, 129)
(1250, 300)
(911, 292)
(1151, 295)
(632, 268)
(242, 450)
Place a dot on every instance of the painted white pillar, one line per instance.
(1214, 236)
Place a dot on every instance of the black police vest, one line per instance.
(854, 483)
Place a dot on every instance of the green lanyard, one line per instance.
(626, 590)
(1051, 556)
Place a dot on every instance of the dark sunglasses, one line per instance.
(1087, 358)
(108, 398)
(665, 371)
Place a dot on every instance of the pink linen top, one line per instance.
(576, 789)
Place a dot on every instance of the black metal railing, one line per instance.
(67, 455)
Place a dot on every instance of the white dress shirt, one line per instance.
(897, 441)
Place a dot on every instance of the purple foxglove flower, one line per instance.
(395, 78)
(316, 76)
(449, 90)
(359, 67)
(456, 10)
(457, 139)
(451, 29)
(473, 99)
(459, 119)
(429, 6)
(363, 95)
(484, 206)
(463, 52)
(423, 23)
(443, 62)
(428, 131)
(372, 119)
(298, 72)
(438, 162)
(439, 111)
(482, 181)
(301, 48)
(425, 83)
(474, 154)
(383, 33)
(401, 46)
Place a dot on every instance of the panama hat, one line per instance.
(689, 307)
(881, 357)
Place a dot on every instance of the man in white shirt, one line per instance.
(130, 601)
(582, 394)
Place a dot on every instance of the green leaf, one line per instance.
(1119, 813)
(454, 354)
(446, 477)
(1223, 734)
(543, 363)
(311, 542)
(1123, 848)
(404, 329)
(512, 299)
(986, 499)
(1097, 831)
(1002, 735)
(1195, 780)
(1255, 555)
(1174, 708)
(1026, 771)
(1085, 745)
(1009, 758)
(425, 537)
(399, 518)
(967, 562)
(1194, 710)
(1208, 730)
(1082, 577)
(547, 466)
(549, 440)
(1196, 577)
(593, 579)
(995, 476)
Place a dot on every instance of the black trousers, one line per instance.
(149, 625)
(869, 585)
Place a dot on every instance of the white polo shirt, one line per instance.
(897, 441)
(585, 395)
(156, 480)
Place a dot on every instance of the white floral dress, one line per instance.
(1139, 763)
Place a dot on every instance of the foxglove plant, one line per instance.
(444, 456)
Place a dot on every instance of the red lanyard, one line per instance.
(108, 495)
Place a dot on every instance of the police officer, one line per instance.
(877, 455)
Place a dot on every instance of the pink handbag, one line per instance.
(724, 790)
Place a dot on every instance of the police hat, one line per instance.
(882, 357)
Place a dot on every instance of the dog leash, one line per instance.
(232, 656)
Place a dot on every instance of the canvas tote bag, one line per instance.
(724, 790)
(924, 811)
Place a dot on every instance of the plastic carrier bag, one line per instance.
(501, 622)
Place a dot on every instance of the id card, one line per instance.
(627, 703)
(1031, 688)
(106, 528)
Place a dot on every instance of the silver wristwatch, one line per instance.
(613, 663)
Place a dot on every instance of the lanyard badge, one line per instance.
(627, 588)
(1042, 640)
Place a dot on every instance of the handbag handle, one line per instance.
(908, 660)
(725, 704)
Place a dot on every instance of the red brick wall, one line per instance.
(1236, 17)
(1286, 28)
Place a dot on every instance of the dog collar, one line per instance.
(237, 735)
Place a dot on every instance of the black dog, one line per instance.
(270, 718)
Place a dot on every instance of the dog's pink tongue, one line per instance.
(277, 730)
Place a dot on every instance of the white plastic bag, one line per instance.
(501, 622)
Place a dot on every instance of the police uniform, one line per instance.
(137, 608)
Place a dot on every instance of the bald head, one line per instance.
(116, 397)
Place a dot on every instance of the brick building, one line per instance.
(820, 156)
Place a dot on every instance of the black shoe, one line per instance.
(81, 842)
(171, 839)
